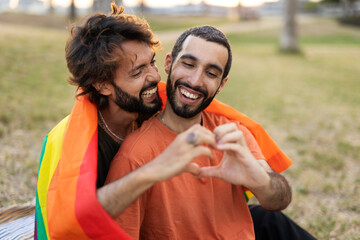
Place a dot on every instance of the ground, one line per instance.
(308, 103)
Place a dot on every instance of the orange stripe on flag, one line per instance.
(62, 191)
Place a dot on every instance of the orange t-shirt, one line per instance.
(184, 207)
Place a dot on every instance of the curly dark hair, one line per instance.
(91, 50)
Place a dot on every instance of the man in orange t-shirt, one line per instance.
(183, 207)
(195, 164)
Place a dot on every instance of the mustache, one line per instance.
(204, 92)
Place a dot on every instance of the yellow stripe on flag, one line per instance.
(48, 165)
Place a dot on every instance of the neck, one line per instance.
(176, 123)
(118, 120)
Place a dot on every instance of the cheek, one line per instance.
(178, 73)
(212, 87)
(133, 88)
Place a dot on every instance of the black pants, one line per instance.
(276, 225)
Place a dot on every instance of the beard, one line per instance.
(132, 104)
(185, 111)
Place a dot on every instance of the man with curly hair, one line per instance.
(111, 59)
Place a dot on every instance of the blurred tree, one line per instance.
(95, 5)
(310, 7)
(142, 7)
(51, 7)
(348, 6)
(72, 13)
(104, 5)
(330, 1)
(289, 38)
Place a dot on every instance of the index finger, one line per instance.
(201, 135)
(222, 130)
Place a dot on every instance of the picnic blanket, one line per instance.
(17, 222)
(66, 202)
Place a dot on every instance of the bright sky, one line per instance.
(227, 3)
(156, 3)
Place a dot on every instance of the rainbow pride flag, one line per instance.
(66, 203)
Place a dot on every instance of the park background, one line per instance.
(306, 96)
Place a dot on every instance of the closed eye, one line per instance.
(212, 75)
(137, 74)
(188, 64)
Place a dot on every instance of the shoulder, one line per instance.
(134, 140)
(144, 144)
(214, 120)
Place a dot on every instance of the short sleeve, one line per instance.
(251, 142)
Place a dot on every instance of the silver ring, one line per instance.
(191, 138)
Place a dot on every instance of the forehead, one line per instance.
(205, 51)
(132, 47)
(135, 52)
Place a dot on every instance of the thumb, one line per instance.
(193, 168)
(213, 171)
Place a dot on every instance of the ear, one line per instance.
(222, 85)
(103, 88)
(167, 64)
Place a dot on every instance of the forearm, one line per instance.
(174, 160)
(276, 195)
(116, 196)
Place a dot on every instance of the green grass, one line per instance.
(33, 75)
(317, 32)
(309, 103)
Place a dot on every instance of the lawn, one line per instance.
(309, 104)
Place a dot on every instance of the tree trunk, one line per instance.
(289, 38)
(142, 7)
(345, 6)
(95, 6)
(72, 13)
(51, 7)
(103, 6)
(349, 9)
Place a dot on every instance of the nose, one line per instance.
(153, 75)
(196, 78)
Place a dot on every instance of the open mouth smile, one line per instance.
(189, 95)
(150, 93)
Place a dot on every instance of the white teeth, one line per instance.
(149, 92)
(188, 95)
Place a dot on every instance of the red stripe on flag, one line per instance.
(94, 220)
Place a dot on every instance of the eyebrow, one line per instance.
(191, 57)
(141, 65)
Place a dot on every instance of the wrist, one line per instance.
(152, 173)
(263, 187)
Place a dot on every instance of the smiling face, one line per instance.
(195, 76)
(134, 88)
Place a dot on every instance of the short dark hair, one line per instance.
(91, 49)
(207, 33)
